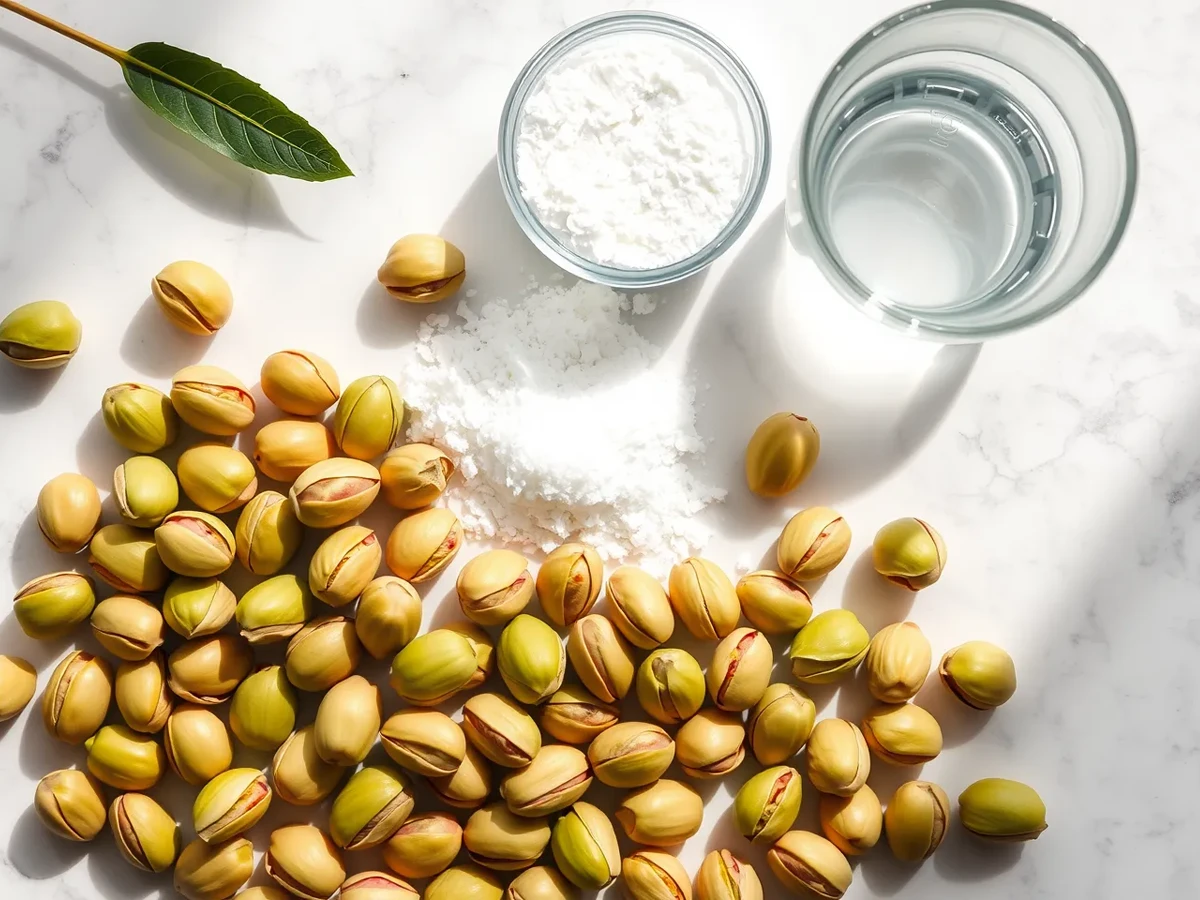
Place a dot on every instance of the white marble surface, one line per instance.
(1061, 463)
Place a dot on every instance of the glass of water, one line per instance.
(966, 169)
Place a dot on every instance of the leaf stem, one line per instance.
(86, 39)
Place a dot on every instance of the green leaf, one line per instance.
(229, 113)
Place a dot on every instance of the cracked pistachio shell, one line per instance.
(779, 725)
(197, 744)
(650, 875)
(424, 741)
(663, 814)
(481, 646)
(334, 491)
(18, 681)
(268, 534)
(41, 335)
(501, 730)
(139, 418)
(781, 454)
(195, 607)
(368, 810)
(195, 544)
(897, 662)
(774, 603)
(558, 776)
(807, 863)
(423, 544)
(910, 553)
(231, 803)
(531, 659)
(916, 820)
(424, 845)
(575, 716)
(193, 297)
(711, 744)
(902, 734)
(740, 671)
(299, 775)
(639, 607)
(498, 839)
(979, 674)
(368, 417)
(423, 268)
(469, 882)
(145, 491)
(213, 871)
(723, 876)
(376, 886)
(415, 475)
(853, 824)
(218, 478)
(206, 670)
(540, 883)
(388, 615)
(212, 400)
(704, 599)
(998, 809)
(670, 685)
(631, 754)
(829, 647)
(262, 712)
(813, 542)
(602, 659)
(348, 721)
(128, 627)
(838, 759)
(284, 449)
(127, 558)
(274, 610)
(322, 653)
(68, 511)
(433, 667)
(71, 804)
(302, 859)
(568, 583)
(77, 696)
(470, 784)
(767, 804)
(344, 564)
(142, 694)
(299, 382)
(50, 606)
(494, 587)
(124, 759)
(585, 847)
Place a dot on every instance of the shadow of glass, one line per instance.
(154, 347)
(25, 388)
(872, 598)
(97, 454)
(35, 853)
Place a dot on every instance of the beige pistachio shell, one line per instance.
(639, 607)
(142, 694)
(206, 670)
(300, 777)
(575, 716)
(195, 544)
(75, 702)
(829, 647)
(470, 784)
(368, 810)
(18, 681)
(723, 876)
(916, 820)
(52, 605)
(779, 725)
(813, 542)
(263, 710)
(124, 759)
(897, 662)
(602, 659)
(71, 804)
(322, 653)
(376, 886)
(231, 803)
(41, 335)
(531, 659)
(501, 730)
(910, 553)
(781, 454)
(299, 382)
(128, 627)
(498, 839)
(558, 776)
(631, 754)
(127, 558)
(804, 861)
(470, 882)
(213, 871)
(197, 744)
(344, 564)
(663, 814)
(334, 492)
(424, 741)
(585, 847)
(704, 599)
(193, 297)
(368, 417)
(711, 744)
(651, 875)
(902, 734)
(774, 603)
(433, 667)
(145, 490)
(415, 475)
(568, 583)
(268, 534)
(139, 418)
(423, 268)
(740, 670)
(216, 477)
(68, 512)
(212, 400)
(195, 607)
(348, 721)
(670, 685)
(424, 845)
(423, 544)
(275, 610)
(284, 449)
(838, 759)
(388, 616)
(540, 883)
(302, 859)
(853, 824)
(494, 587)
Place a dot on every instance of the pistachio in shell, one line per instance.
(348, 721)
(368, 810)
(999, 809)
(193, 297)
(568, 583)
(652, 875)
(910, 553)
(433, 667)
(585, 847)
(602, 659)
(916, 819)
(979, 674)
(774, 603)
(829, 647)
(268, 534)
(723, 876)
(263, 710)
(663, 814)
(128, 627)
(230, 804)
(344, 564)
(197, 744)
(780, 723)
(540, 883)
(368, 417)
(52, 605)
(145, 490)
(423, 268)
(631, 754)
(639, 607)
(125, 759)
(322, 653)
(127, 558)
(142, 694)
(710, 744)
(481, 646)
(670, 685)
(781, 454)
(498, 839)
(469, 785)
(424, 741)
(284, 449)
(195, 544)
(740, 671)
(424, 845)
(195, 607)
(376, 886)
(558, 776)
(75, 702)
(838, 759)
(897, 662)
(388, 615)
(139, 418)
(501, 730)
(853, 824)
(470, 882)
(213, 871)
(300, 777)
(574, 715)
(423, 544)
(902, 734)
(494, 587)
(275, 610)
(41, 335)
(299, 382)
(415, 475)
(334, 491)
(212, 400)
(303, 859)
(216, 477)
(18, 681)
(704, 599)
(206, 670)
(71, 804)
(813, 542)
(767, 804)
(68, 511)
(531, 659)
(808, 863)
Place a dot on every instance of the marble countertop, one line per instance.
(1061, 464)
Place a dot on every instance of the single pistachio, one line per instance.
(71, 804)
(424, 741)
(575, 716)
(206, 670)
(388, 616)
(50, 606)
(498, 839)
(423, 268)
(75, 702)
(897, 662)
(213, 871)
(274, 610)
(68, 511)
(344, 564)
(262, 712)
(195, 544)
(194, 607)
(197, 744)
(140, 418)
(853, 824)
(494, 587)
(774, 603)
(902, 734)
(299, 775)
(231, 803)
(558, 776)
(740, 671)
(268, 534)
(813, 542)
(423, 544)
(284, 449)
(464, 883)
(433, 667)
(376, 886)
(601, 658)
(415, 475)
(124, 759)
(193, 297)
(723, 876)
(829, 647)
(979, 674)
(302, 859)
(322, 653)
(18, 681)
(481, 646)
(368, 417)
(348, 721)
(128, 627)
(142, 694)
(540, 883)
(631, 754)
(670, 685)
(368, 810)
(779, 725)
(838, 759)
(41, 335)
(585, 847)
(212, 400)
(334, 491)
(145, 491)
(650, 875)
(910, 553)
(781, 454)
(663, 814)
(568, 583)
(704, 599)
(531, 659)
(1001, 810)
(767, 804)
(501, 730)
(807, 863)
(127, 558)
(639, 607)
(218, 478)
(470, 784)
(424, 845)
(299, 382)
(711, 744)
(916, 820)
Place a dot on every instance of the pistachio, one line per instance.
(77, 695)
(194, 607)
(334, 491)
(284, 449)
(1001, 810)
(274, 610)
(206, 670)
(424, 741)
(140, 418)
(767, 804)
(344, 565)
(322, 653)
(348, 721)
(663, 814)
(585, 847)
(18, 681)
(231, 803)
(299, 775)
(299, 382)
(780, 724)
(68, 511)
(468, 787)
(368, 417)
(781, 453)
(376, 886)
(302, 859)
(813, 542)
(142, 694)
(601, 658)
(774, 603)
(807, 863)
(540, 883)
(531, 659)
(498, 839)
(838, 759)
(368, 810)
(558, 776)
(128, 627)
(50, 606)
(723, 876)
(710, 744)
(573, 715)
(853, 823)
(916, 820)
(268, 534)
(414, 475)
(127, 559)
(650, 875)
(213, 871)
(979, 674)
(494, 587)
(897, 662)
(568, 583)
(481, 646)
(910, 553)
(197, 744)
(212, 400)
(388, 615)
(424, 845)
(195, 544)
(670, 685)
(464, 883)
(704, 599)
(829, 647)
(501, 730)
(41, 335)
(423, 544)
(263, 711)
(71, 804)
(639, 607)
(433, 667)
(631, 754)
(124, 759)
(423, 268)
(902, 734)
(193, 297)
(145, 490)
(218, 478)
(741, 670)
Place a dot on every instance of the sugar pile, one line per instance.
(562, 425)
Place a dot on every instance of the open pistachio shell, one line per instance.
(568, 583)
(231, 803)
(212, 400)
(424, 845)
(302, 859)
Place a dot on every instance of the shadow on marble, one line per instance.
(963, 857)
(872, 598)
(33, 557)
(39, 753)
(386, 322)
(959, 722)
(885, 875)
(22, 389)
(97, 455)
(115, 879)
(154, 347)
(37, 854)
